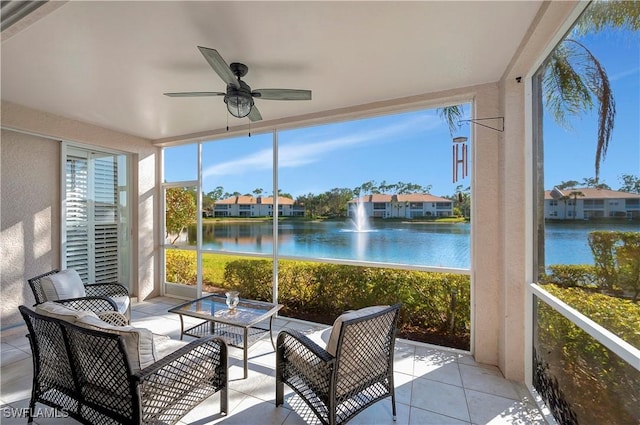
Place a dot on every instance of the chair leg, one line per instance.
(32, 407)
(224, 402)
(393, 403)
(279, 392)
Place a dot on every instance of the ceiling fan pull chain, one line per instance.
(227, 120)
(249, 128)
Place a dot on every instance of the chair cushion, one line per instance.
(122, 303)
(320, 337)
(61, 312)
(138, 342)
(165, 345)
(332, 345)
(63, 285)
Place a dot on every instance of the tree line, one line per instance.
(334, 202)
(629, 184)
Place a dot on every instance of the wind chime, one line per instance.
(460, 155)
(461, 152)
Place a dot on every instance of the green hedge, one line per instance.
(620, 316)
(617, 260)
(427, 298)
(572, 275)
(600, 386)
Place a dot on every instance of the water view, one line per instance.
(429, 244)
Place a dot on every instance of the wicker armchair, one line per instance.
(353, 372)
(90, 375)
(99, 296)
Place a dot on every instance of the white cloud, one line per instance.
(623, 74)
(306, 152)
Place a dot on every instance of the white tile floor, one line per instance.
(433, 386)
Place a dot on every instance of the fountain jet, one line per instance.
(360, 219)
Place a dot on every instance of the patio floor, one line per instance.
(433, 385)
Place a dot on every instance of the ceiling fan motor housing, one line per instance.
(239, 69)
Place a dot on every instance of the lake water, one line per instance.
(429, 244)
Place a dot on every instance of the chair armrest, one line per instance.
(106, 290)
(196, 351)
(92, 303)
(299, 359)
(295, 341)
(201, 363)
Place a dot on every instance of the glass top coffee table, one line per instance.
(241, 327)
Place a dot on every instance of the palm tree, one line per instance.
(574, 79)
(574, 194)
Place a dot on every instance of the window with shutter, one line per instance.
(95, 216)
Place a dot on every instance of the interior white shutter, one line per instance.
(106, 219)
(92, 216)
(77, 215)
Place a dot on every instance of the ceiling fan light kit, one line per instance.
(239, 97)
(239, 101)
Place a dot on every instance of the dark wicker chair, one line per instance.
(339, 387)
(86, 374)
(99, 296)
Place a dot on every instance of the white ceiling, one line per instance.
(108, 63)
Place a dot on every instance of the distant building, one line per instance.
(585, 203)
(405, 206)
(249, 206)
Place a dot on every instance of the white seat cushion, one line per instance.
(63, 285)
(138, 342)
(320, 337)
(165, 345)
(122, 303)
(332, 345)
(61, 312)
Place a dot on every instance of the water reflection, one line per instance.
(445, 245)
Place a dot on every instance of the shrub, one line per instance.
(180, 266)
(617, 260)
(435, 301)
(602, 386)
(628, 259)
(620, 316)
(571, 275)
(251, 277)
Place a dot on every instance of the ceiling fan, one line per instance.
(239, 96)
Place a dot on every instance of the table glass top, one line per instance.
(214, 307)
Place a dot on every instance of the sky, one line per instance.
(570, 155)
(416, 147)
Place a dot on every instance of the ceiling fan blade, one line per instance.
(219, 66)
(195, 94)
(282, 94)
(254, 115)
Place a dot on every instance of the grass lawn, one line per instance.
(213, 267)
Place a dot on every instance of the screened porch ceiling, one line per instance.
(109, 63)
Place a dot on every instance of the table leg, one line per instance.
(246, 352)
(271, 333)
(181, 326)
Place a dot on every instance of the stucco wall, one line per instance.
(517, 187)
(30, 206)
(29, 213)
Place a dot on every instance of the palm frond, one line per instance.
(566, 92)
(598, 83)
(451, 115)
(572, 79)
(606, 15)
